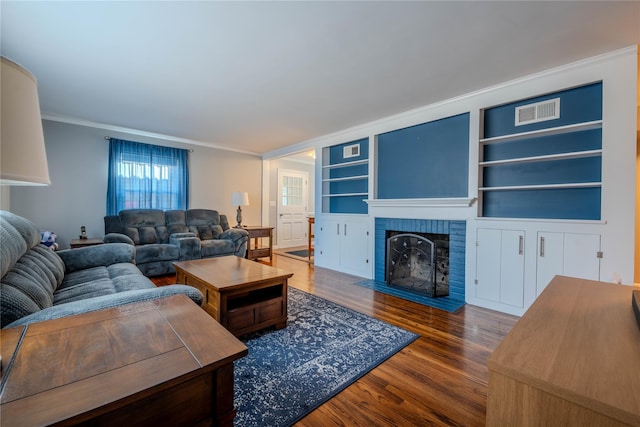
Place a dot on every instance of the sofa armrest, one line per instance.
(97, 256)
(189, 245)
(108, 301)
(239, 237)
(117, 238)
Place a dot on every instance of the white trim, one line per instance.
(113, 128)
(449, 202)
(378, 126)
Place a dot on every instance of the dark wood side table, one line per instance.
(259, 251)
(162, 362)
(80, 243)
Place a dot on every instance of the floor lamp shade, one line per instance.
(22, 152)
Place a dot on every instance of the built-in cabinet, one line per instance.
(567, 254)
(500, 259)
(342, 243)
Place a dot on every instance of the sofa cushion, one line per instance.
(176, 222)
(17, 235)
(144, 226)
(205, 223)
(157, 252)
(82, 291)
(83, 276)
(212, 248)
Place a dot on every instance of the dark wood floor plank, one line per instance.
(440, 379)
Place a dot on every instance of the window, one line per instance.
(144, 176)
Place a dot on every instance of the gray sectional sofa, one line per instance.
(39, 284)
(163, 237)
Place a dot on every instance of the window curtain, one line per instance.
(145, 176)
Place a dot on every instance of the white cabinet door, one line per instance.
(500, 266)
(550, 258)
(343, 244)
(355, 247)
(327, 243)
(568, 254)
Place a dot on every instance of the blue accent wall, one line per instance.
(457, 231)
(429, 160)
(580, 104)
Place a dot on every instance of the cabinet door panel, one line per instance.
(581, 256)
(355, 247)
(327, 241)
(512, 268)
(550, 258)
(488, 264)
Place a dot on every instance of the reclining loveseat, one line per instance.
(163, 237)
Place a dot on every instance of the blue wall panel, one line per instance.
(564, 203)
(552, 144)
(586, 169)
(429, 160)
(336, 152)
(348, 204)
(581, 104)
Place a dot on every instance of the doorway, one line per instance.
(293, 193)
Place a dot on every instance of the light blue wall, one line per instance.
(78, 160)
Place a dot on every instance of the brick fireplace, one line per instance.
(456, 230)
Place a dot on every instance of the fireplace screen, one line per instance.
(418, 262)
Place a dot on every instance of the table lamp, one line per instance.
(22, 152)
(239, 198)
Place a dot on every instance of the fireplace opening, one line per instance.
(418, 262)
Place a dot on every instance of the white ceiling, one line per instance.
(258, 76)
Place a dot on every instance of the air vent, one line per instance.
(538, 112)
(351, 151)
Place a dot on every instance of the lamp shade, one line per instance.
(23, 159)
(239, 198)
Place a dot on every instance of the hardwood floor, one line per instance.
(440, 379)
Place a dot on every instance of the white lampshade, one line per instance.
(239, 198)
(23, 159)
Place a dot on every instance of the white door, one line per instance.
(292, 208)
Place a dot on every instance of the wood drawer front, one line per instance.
(240, 318)
(261, 252)
(259, 233)
(271, 310)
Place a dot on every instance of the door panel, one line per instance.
(293, 189)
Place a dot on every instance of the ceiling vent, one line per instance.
(351, 151)
(538, 112)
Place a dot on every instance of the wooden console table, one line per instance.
(162, 362)
(81, 243)
(257, 251)
(573, 359)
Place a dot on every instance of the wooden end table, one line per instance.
(80, 243)
(162, 362)
(256, 233)
(244, 296)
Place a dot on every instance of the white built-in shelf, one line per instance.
(544, 132)
(546, 157)
(345, 195)
(346, 164)
(346, 178)
(543, 186)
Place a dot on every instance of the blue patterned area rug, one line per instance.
(324, 348)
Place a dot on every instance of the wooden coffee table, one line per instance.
(244, 296)
(161, 362)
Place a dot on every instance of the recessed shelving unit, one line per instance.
(551, 169)
(345, 179)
